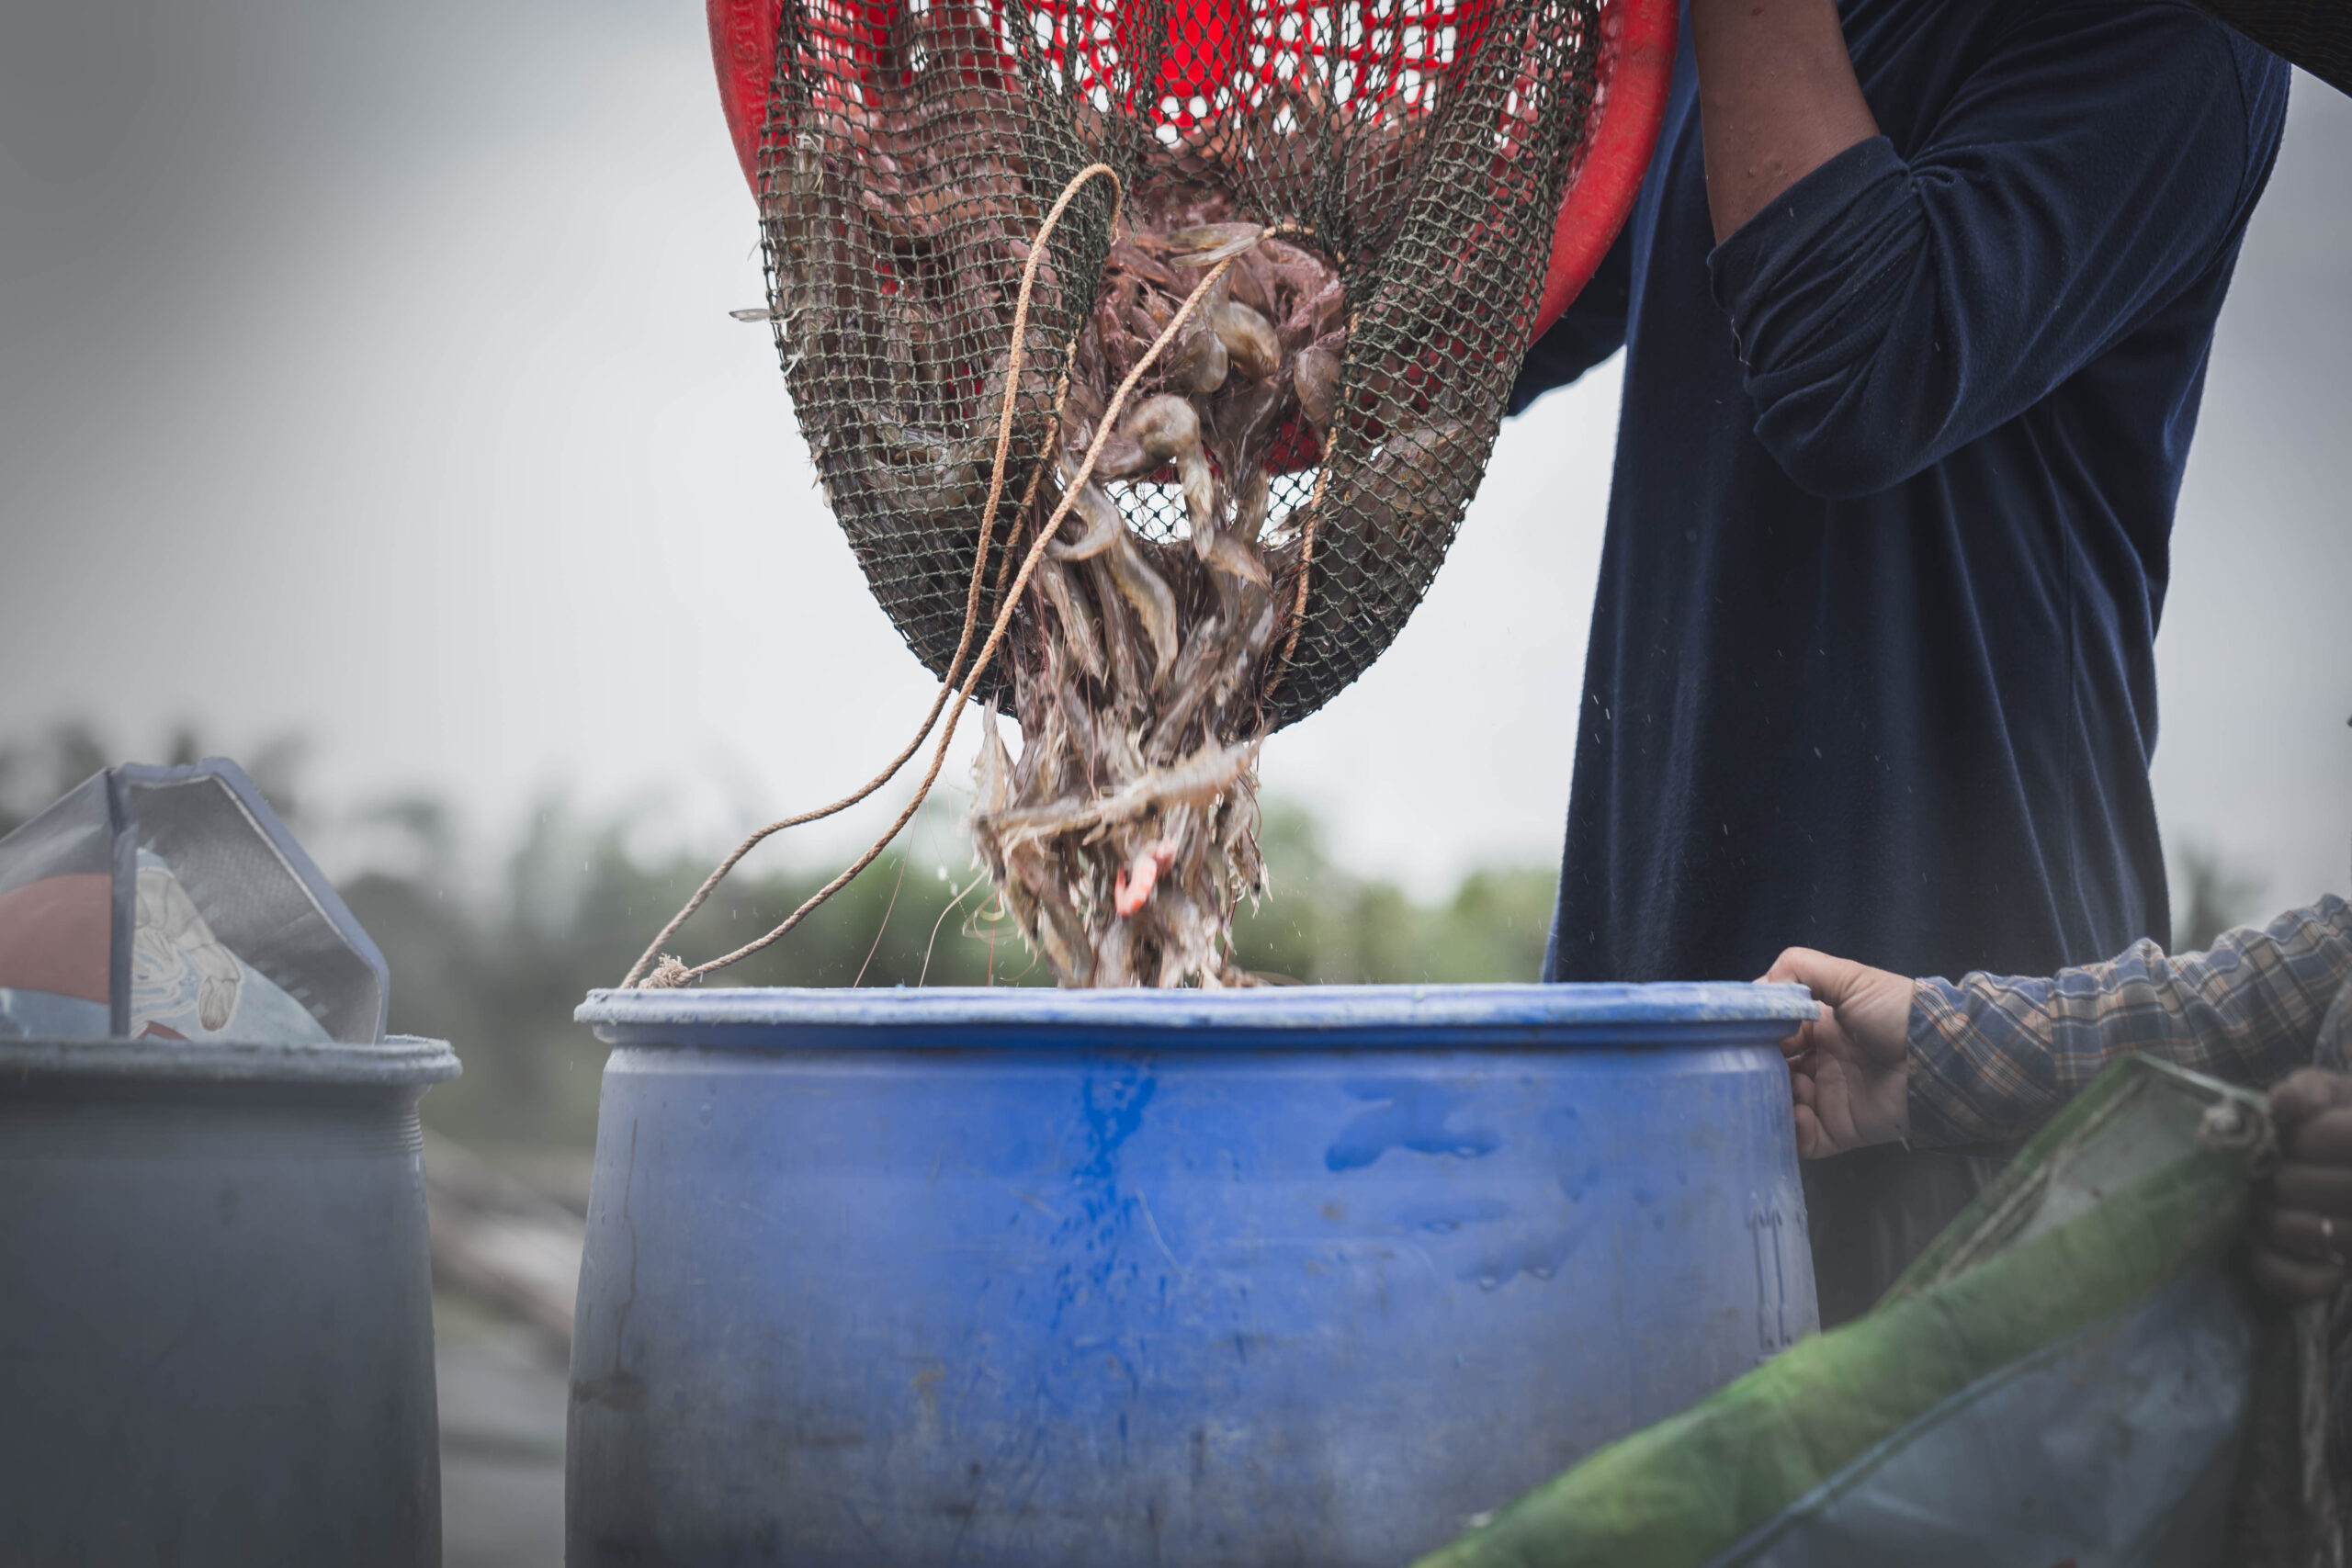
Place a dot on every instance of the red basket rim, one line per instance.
(1636, 67)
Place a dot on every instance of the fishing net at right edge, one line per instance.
(1415, 150)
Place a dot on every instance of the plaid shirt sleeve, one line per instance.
(1993, 1057)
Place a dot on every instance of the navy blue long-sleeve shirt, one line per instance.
(1871, 664)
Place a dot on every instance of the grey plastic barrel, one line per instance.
(216, 1332)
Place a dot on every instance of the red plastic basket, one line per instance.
(1223, 39)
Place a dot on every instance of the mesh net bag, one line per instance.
(1167, 341)
(908, 153)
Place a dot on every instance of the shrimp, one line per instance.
(1250, 340)
(1101, 520)
(992, 769)
(1165, 426)
(1212, 243)
(1229, 555)
(1196, 781)
(1149, 593)
(1118, 643)
(1189, 689)
(1129, 833)
(1201, 361)
(1316, 378)
(1077, 627)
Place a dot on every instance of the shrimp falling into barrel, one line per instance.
(1125, 835)
(1175, 472)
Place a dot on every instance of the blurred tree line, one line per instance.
(2209, 896)
(493, 953)
(573, 906)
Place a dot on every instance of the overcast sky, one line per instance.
(365, 372)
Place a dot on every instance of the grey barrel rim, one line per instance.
(399, 1062)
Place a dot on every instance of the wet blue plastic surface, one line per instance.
(1308, 1276)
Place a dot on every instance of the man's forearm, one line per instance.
(1777, 100)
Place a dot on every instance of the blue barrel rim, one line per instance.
(399, 1061)
(1289, 1018)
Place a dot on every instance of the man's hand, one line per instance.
(2302, 1232)
(1848, 1070)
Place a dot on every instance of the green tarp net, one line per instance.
(2066, 1376)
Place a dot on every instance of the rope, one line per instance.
(971, 598)
(1305, 560)
(1307, 538)
(672, 971)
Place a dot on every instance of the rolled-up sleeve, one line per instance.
(1891, 310)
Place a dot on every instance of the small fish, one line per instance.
(903, 444)
(921, 470)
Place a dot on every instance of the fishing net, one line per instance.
(1415, 151)
(1166, 342)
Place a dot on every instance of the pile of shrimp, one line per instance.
(1123, 837)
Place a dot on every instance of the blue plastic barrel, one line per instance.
(1037, 1278)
